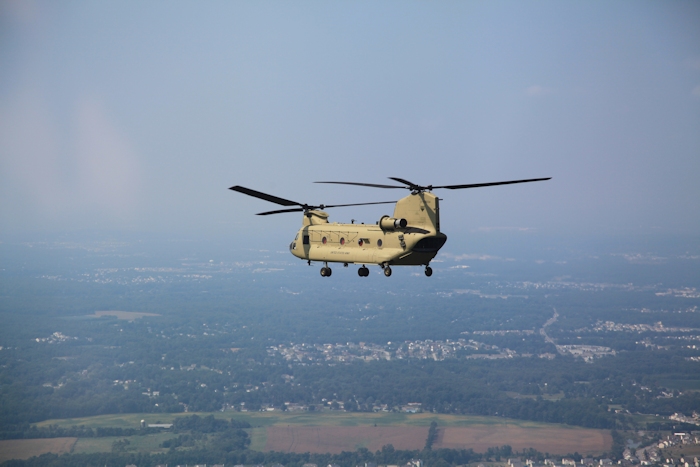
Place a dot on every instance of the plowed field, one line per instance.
(552, 440)
(26, 448)
(336, 439)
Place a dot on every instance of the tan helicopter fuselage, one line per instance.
(411, 237)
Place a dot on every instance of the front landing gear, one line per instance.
(428, 271)
(326, 271)
(387, 271)
(363, 271)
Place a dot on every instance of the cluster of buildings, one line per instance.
(55, 338)
(687, 292)
(692, 309)
(145, 275)
(565, 462)
(618, 327)
(309, 353)
(693, 419)
(649, 455)
(411, 407)
(652, 455)
(587, 352)
(643, 455)
(440, 350)
(411, 463)
(425, 350)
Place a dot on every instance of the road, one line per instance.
(543, 331)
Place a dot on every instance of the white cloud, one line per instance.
(56, 169)
(107, 168)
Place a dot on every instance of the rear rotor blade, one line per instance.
(365, 184)
(477, 185)
(405, 182)
(355, 204)
(264, 196)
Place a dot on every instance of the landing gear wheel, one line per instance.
(387, 271)
(428, 271)
(326, 272)
(363, 272)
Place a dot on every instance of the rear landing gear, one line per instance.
(428, 271)
(326, 271)
(387, 271)
(363, 271)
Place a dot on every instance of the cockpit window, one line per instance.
(306, 240)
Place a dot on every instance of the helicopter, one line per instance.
(411, 237)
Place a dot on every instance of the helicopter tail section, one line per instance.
(420, 210)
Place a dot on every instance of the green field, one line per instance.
(258, 438)
(147, 443)
(260, 421)
(266, 419)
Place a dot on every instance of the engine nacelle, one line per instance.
(390, 223)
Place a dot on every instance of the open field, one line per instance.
(336, 439)
(26, 448)
(326, 418)
(148, 443)
(338, 431)
(554, 439)
(126, 315)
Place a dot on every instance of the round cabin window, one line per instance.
(324, 240)
(379, 243)
(342, 241)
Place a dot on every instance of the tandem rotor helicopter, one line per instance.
(411, 237)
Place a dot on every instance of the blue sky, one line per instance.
(138, 116)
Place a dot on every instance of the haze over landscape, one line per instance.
(148, 317)
(137, 116)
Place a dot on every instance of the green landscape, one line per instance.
(289, 374)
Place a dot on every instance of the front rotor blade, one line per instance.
(265, 196)
(477, 185)
(280, 211)
(365, 184)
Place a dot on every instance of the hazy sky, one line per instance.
(139, 115)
